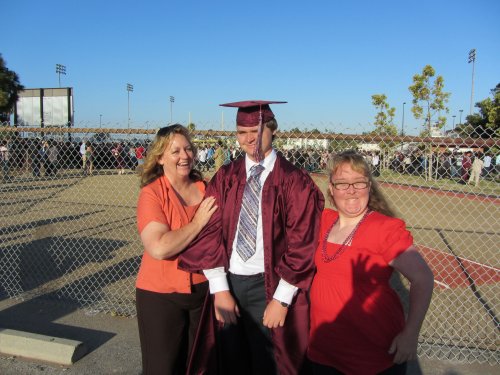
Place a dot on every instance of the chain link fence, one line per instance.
(68, 218)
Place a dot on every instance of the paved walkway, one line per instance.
(113, 342)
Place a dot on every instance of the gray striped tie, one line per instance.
(247, 233)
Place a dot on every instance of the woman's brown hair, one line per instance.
(151, 169)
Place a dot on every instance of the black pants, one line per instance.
(319, 369)
(246, 347)
(167, 328)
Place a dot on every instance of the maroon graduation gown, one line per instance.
(291, 211)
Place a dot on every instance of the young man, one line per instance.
(257, 251)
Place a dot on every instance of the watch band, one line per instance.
(284, 304)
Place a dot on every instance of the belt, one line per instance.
(247, 277)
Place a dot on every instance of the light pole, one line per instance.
(454, 122)
(403, 121)
(461, 111)
(100, 121)
(60, 69)
(472, 59)
(172, 100)
(130, 88)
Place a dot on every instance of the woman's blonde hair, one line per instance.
(376, 201)
(151, 169)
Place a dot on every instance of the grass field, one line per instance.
(75, 237)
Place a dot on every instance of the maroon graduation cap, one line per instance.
(253, 113)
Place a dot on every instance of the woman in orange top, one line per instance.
(171, 211)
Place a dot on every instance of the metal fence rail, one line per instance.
(68, 222)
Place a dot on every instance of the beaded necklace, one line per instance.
(347, 241)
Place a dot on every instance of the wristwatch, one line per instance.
(284, 304)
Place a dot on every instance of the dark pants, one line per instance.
(246, 347)
(319, 369)
(167, 328)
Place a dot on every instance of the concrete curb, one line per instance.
(41, 347)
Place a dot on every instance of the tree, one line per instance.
(384, 118)
(9, 89)
(429, 99)
(486, 123)
(191, 127)
(384, 124)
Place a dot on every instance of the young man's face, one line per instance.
(247, 138)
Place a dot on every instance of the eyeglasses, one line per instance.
(360, 185)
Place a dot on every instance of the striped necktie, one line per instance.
(247, 233)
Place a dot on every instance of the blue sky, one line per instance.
(326, 58)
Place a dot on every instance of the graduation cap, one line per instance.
(253, 113)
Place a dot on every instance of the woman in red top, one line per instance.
(171, 211)
(357, 320)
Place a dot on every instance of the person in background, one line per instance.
(139, 154)
(202, 158)
(376, 164)
(210, 156)
(83, 155)
(357, 320)
(257, 251)
(487, 165)
(466, 165)
(52, 159)
(171, 211)
(119, 154)
(476, 169)
(4, 159)
(219, 156)
(89, 159)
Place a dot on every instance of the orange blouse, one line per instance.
(159, 202)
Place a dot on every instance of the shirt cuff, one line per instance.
(217, 280)
(284, 292)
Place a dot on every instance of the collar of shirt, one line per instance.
(267, 163)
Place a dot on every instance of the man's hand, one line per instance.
(274, 314)
(226, 309)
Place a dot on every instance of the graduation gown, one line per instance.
(291, 212)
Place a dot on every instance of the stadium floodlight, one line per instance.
(472, 59)
(172, 100)
(130, 88)
(60, 69)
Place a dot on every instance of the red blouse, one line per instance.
(355, 314)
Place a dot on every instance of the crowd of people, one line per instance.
(45, 157)
(250, 274)
(464, 167)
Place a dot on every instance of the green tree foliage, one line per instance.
(384, 118)
(429, 98)
(384, 124)
(486, 123)
(191, 127)
(9, 88)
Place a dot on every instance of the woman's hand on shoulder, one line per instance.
(205, 211)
